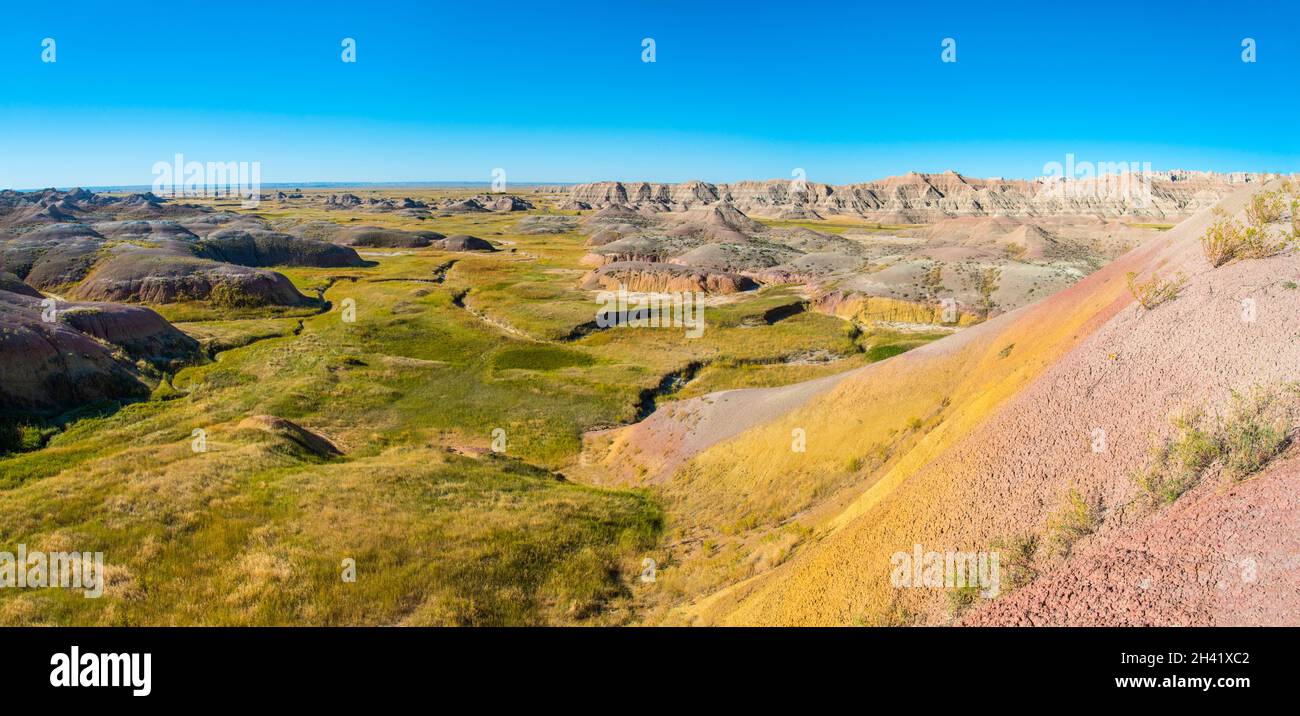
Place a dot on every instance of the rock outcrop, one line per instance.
(165, 278)
(269, 248)
(662, 277)
(923, 198)
(465, 242)
(84, 354)
(366, 236)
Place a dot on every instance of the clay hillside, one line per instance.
(1125, 446)
(70, 260)
(890, 250)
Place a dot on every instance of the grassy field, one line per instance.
(438, 364)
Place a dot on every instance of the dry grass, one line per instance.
(1155, 290)
(1227, 240)
(252, 532)
(1265, 208)
(1256, 428)
(1076, 519)
(1017, 554)
(1295, 221)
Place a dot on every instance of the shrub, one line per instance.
(1226, 240)
(1156, 290)
(1077, 519)
(1177, 464)
(1255, 431)
(1219, 240)
(986, 282)
(1016, 559)
(1265, 208)
(18, 437)
(1295, 221)
(960, 599)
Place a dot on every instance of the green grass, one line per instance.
(1074, 520)
(1016, 556)
(1255, 429)
(1152, 226)
(540, 358)
(253, 531)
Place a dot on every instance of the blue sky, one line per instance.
(848, 91)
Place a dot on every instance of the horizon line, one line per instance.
(321, 184)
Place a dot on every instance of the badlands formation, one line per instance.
(96, 253)
(923, 198)
(888, 250)
(1100, 392)
(1034, 435)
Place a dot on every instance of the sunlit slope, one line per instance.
(992, 427)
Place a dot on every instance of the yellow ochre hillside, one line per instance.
(1022, 436)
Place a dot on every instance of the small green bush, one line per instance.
(1227, 240)
(1154, 291)
(23, 437)
(1016, 559)
(1177, 464)
(1255, 430)
(1265, 208)
(1075, 520)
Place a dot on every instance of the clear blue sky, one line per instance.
(556, 91)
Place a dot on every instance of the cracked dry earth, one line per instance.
(1220, 556)
(1021, 398)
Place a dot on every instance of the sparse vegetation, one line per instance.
(1155, 290)
(987, 283)
(1256, 428)
(932, 280)
(1076, 519)
(1227, 240)
(1178, 463)
(962, 598)
(1016, 560)
(1265, 208)
(893, 614)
